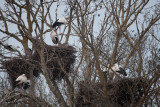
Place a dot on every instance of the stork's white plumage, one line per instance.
(62, 20)
(116, 68)
(54, 37)
(21, 79)
(23, 82)
(59, 22)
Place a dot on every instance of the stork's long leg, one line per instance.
(60, 30)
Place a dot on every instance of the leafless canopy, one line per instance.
(102, 32)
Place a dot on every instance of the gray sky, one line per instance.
(72, 40)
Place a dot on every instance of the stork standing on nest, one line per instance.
(116, 68)
(54, 37)
(59, 22)
(22, 79)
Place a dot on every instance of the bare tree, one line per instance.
(107, 32)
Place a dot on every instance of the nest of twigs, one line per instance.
(16, 67)
(59, 61)
(90, 95)
(121, 93)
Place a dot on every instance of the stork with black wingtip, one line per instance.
(116, 68)
(22, 80)
(119, 69)
(59, 22)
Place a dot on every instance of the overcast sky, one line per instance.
(60, 14)
(73, 40)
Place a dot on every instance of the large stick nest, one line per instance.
(121, 93)
(59, 61)
(16, 67)
(90, 95)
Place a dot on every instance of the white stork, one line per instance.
(116, 68)
(54, 37)
(22, 79)
(59, 22)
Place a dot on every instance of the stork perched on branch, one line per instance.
(59, 22)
